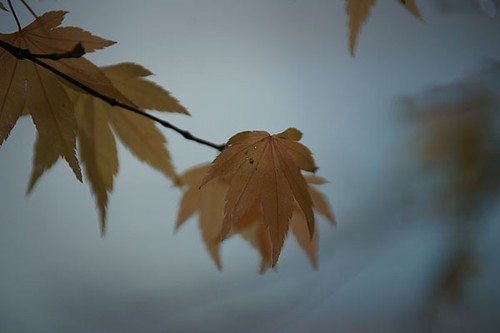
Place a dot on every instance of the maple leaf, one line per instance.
(24, 85)
(265, 169)
(359, 10)
(252, 229)
(97, 146)
(298, 220)
(460, 139)
(209, 200)
(97, 149)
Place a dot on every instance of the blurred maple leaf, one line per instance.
(25, 85)
(209, 200)
(460, 139)
(97, 146)
(459, 142)
(359, 10)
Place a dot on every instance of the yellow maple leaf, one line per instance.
(138, 134)
(97, 149)
(128, 78)
(44, 157)
(266, 169)
(97, 146)
(359, 10)
(24, 85)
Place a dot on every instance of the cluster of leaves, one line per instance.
(63, 114)
(255, 187)
(256, 181)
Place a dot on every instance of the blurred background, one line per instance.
(407, 133)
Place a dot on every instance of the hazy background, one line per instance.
(239, 65)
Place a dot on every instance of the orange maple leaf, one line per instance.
(359, 10)
(265, 169)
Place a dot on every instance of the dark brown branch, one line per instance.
(77, 52)
(29, 9)
(13, 11)
(35, 58)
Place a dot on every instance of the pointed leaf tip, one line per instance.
(291, 134)
(358, 12)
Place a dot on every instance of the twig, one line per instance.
(35, 58)
(29, 9)
(12, 10)
(77, 52)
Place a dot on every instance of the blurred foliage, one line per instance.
(459, 148)
(487, 7)
(460, 140)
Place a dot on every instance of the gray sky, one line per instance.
(239, 65)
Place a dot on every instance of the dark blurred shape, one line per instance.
(485, 7)
(459, 148)
(453, 281)
(460, 141)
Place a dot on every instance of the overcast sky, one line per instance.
(244, 65)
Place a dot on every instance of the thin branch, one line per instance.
(29, 9)
(77, 52)
(26, 54)
(14, 14)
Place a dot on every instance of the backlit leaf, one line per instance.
(357, 13)
(265, 169)
(95, 119)
(298, 221)
(208, 202)
(97, 149)
(252, 228)
(52, 112)
(143, 139)
(128, 79)
(45, 155)
(26, 86)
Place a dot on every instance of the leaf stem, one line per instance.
(35, 58)
(12, 10)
